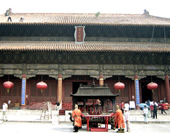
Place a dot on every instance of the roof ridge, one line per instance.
(89, 14)
(85, 18)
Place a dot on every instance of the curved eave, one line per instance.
(92, 95)
(86, 47)
(83, 24)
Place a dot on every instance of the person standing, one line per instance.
(148, 103)
(127, 106)
(126, 114)
(118, 119)
(151, 109)
(4, 111)
(163, 108)
(122, 106)
(155, 110)
(76, 115)
(145, 114)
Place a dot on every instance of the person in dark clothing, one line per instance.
(9, 19)
(154, 111)
(148, 103)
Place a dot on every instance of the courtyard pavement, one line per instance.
(136, 116)
(20, 127)
(29, 121)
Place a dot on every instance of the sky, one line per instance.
(159, 8)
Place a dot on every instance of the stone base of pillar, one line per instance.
(60, 106)
(23, 107)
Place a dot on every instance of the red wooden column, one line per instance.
(23, 91)
(167, 89)
(129, 91)
(59, 88)
(101, 80)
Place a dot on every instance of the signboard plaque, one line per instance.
(79, 34)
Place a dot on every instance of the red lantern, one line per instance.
(8, 85)
(41, 85)
(152, 86)
(119, 86)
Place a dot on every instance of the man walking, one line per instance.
(118, 119)
(76, 115)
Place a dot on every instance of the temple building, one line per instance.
(69, 50)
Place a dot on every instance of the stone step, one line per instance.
(139, 112)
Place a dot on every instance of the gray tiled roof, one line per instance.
(85, 19)
(94, 91)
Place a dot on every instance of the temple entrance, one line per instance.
(146, 93)
(76, 85)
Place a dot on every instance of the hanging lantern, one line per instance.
(119, 86)
(98, 101)
(8, 85)
(152, 86)
(41, 85)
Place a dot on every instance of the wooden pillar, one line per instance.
(103, 105)
(133, 91)
(129, 92)
(101, 80)
(59, 88)
(136, 82)
(23, 91)
(167, 88)
(84, 103)
(159, 91)
(113, 105)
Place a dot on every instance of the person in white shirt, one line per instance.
(145, 114)
(4, 111)
(126, 116)
(126, 106)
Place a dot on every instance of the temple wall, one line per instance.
(92, 71)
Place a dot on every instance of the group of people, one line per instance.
(122, 115)
(153, 107)
(119, 119)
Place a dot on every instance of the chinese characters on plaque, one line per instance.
(79, 34)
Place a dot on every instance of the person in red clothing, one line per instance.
(163, 108)
(151, 108)
(119, 121)
(76, 115)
